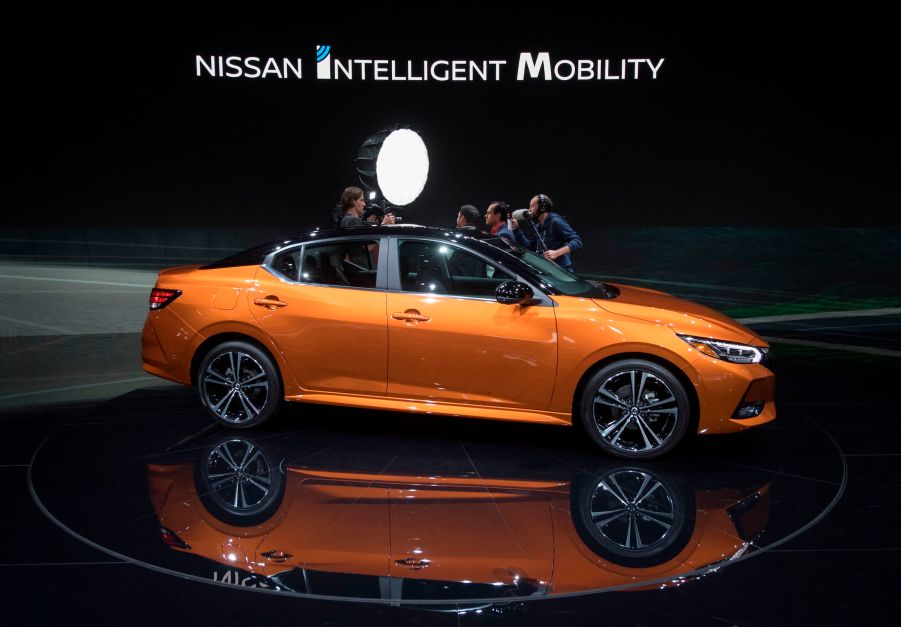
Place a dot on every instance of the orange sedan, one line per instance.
(451, 322)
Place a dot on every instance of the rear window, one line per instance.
(250, 257)
(350, 263)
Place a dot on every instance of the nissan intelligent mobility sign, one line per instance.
(527, 66)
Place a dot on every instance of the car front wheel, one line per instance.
(239, 385)
(635, 409)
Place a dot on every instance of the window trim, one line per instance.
(381, 280)
(540, 299)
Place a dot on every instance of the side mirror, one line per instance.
(514, 293)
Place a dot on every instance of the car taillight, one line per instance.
(159, 298)
(172, 539)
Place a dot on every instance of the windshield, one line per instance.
(550, 273)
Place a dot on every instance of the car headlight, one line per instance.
(727, 351)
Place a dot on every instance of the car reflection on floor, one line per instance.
(358, 532)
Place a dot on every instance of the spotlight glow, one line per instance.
(402, 167)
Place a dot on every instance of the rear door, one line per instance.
(323, 305)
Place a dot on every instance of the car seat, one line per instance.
(431, 276)
(288, 267)
(328, 272)
(309, 271)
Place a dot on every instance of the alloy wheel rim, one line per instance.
(635, 411)
(239, 475)
(235, 387)
(633, 510)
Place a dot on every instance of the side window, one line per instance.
(439, 268)
(351, 263)
(287, 263)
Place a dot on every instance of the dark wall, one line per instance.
(755, 120)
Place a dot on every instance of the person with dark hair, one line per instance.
(468, 217)
(559, 237)
(461, 264)
(496, 217)
(352, 207)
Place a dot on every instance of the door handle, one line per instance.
(270, 302)
(410, 315)
(277, 556)
(413, 563)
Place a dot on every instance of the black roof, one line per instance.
(256, 255)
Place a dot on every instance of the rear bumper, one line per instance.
(160, 372)
(169, 359)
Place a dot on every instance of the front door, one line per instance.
(449, 340)
(474, 530)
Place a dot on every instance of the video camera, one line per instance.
(378, 209)
(524, 217)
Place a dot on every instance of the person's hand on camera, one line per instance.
(389, 219)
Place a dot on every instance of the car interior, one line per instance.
(425, 266)
(335, 264)
(439, 269)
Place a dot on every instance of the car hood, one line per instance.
(683, 316)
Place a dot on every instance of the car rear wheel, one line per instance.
(239, 482)
(635, 409)
(239, 385)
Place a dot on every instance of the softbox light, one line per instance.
(395, 162)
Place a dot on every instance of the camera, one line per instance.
(522, 215)
(380, 210)
(374, 209)
(529, 224)
(377, 209)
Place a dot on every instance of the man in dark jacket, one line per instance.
(559, 237)
(468, 216)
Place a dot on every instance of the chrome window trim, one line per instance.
(535, 303)
(308, 284)
(540, 298)
(380, 277)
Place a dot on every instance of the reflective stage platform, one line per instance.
(387, 508)
(439, 514)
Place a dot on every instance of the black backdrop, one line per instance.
(756, 119)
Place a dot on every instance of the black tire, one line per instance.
(631, 516)
(239, 483)
(635, 409)
(243, 401)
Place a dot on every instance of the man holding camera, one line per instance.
(554, 239)
(353, 206)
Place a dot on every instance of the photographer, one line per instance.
(353, 206)
(559, 239)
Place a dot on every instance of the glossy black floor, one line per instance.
(807, 507)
